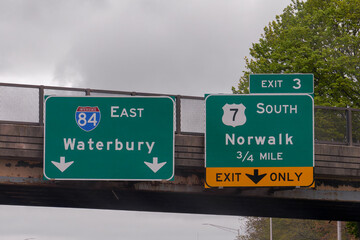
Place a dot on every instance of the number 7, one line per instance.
(235, 110)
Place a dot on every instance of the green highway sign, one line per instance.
(281, 83)
(109, 138)
(255, 134)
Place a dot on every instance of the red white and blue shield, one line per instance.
(234, 114)
(87, 118)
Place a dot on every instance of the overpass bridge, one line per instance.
(336, 195)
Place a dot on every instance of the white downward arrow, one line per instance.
(155, 166)
(62, 165)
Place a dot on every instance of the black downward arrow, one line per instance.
(256, 177)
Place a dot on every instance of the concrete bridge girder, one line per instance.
(337, 175)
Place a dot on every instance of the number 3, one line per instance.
(298, 83)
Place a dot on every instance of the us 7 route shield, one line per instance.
(109, 138)
(259, 140)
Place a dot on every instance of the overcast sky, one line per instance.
(19, 223)
(187, 47)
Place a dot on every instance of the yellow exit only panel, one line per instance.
(259, 177)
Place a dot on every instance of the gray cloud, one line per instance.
(180, 47)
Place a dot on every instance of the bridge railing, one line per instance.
(24, 104)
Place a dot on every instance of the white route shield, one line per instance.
(234, 114)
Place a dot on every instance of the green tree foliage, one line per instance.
(353, 229)
(316, 36)
(257, 228)
(330, 125)
(294, 229)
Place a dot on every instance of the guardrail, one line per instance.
(24, 104)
